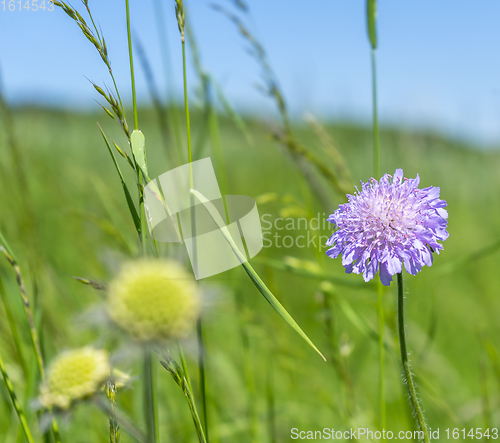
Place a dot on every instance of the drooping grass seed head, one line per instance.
(181, 19)
(74, 375)
(154, 300)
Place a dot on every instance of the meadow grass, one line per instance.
(446, 307)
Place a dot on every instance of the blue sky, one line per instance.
(438, 61)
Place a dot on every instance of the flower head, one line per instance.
(74, 375)
(154, 300)
(387, 223)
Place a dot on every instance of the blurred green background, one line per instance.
(69, 219)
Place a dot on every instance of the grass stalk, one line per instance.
(131, 58)
(248, 362)
(150, 397)
(15, 333)
(124, 421)
(371, 16)
(180, 377)
(201, 346)
(35, 341)
(202, 375)
(376, 136)
(410, 384)
(15, 402)
(114, 428)
(271, 413)
(186, 106)
(173, 116)
(335, 357)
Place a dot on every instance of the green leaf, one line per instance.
(130, 203)
(138, 142)
(371, 16)
(257, 281)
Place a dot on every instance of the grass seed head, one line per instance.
(181, 19)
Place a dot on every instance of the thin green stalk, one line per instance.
(180, 377)
(132, 77)
(335, 358)
(371, 16)
(129, 427)
(15, 402)
(27, 309)
(248, 369)
(32, 328)
(174, 120)
(150, 397)
(201, 368)
(140, 177)
(184, 365)
(410, 384)
(376, 138)
(114, 428)
(271, 415)
(381, 351)
(15, 334)
(186, 106)
(201, 345)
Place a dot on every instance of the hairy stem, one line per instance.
(381, 351)
(410, 384)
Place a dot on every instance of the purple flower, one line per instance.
(388, 223)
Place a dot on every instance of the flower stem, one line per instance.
(381, 351)
(410, 384)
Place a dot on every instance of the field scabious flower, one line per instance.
(387, 223)
(154, 300)
(74, 375)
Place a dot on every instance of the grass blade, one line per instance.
(130, 203)
(257, 281)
